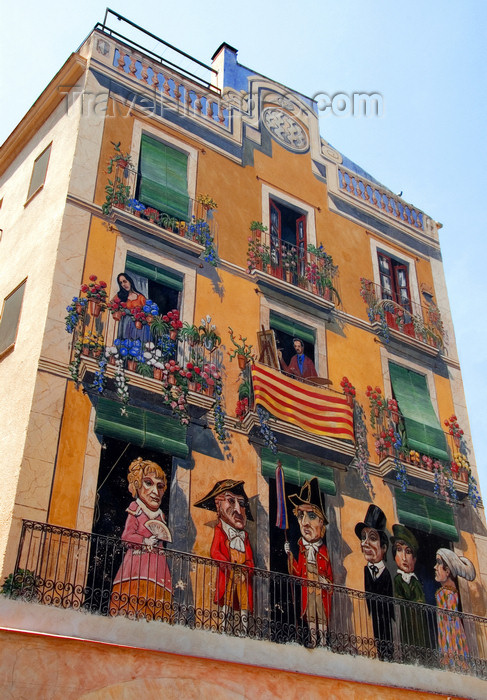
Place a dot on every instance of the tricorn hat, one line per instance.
(310, 495)
(375, 518)
(236, 487)
(402, 534)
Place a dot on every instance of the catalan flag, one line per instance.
(313, 409)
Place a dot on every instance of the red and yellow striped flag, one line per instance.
(311, 408)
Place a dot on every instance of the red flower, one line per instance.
(93, 278)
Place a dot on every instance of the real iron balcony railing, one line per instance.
(78, 570)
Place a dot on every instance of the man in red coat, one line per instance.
(231, 544)
(313, 561)
(300, 366)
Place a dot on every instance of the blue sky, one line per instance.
(427, 60)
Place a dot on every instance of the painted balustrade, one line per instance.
(380, 198)
(76, 570)
(172, 91)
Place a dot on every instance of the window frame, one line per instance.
(271, 193)
(379, 247)
(160, 259)
(30, 192)
(316, 324)
(8, 348)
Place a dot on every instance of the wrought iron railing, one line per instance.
(305, 266)
(194, 221)
(83, 571)
(409, 318)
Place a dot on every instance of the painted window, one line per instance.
(286, 330)
(394, 282)
(9, 321)
(146, 283)
(287, 239)
(433, 524)
(39, 172)
(423, 430)
(163, 178)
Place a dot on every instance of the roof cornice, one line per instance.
(45, 104)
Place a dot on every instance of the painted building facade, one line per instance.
(241, 414)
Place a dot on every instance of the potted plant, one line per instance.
(171, 372)
(242, 350)
(191, 333)
(96, 294)
(258, 228)
(377, 404)
(193, 372)
(289, 261)
(209, 337)
(76, 311)
(136, 206)
(174, 324)
(348, 390)
(454, 429)
(258, 255)
(393, 410)
(211, 376)
(206, 202)
(117, 193)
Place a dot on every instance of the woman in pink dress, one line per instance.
(142, 586)
(452, 641)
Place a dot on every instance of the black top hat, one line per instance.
(375, 518)
(236, 487)
(310, 495)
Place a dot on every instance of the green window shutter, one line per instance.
(140, 427)
(163, 178)
(423, 429)
(279, 323)
(426, 514)
(153, 272)
(297, 470)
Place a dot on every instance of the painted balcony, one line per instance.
(193, 229)
(77, 570)
(306, 272)
(412, 323)
(180, 370)
(281, 411)
(380, 199)
(449, 478)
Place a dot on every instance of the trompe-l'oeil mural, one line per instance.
(145, 584)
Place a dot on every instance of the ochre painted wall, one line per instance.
(40, 667)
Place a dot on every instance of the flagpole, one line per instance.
(282, 521)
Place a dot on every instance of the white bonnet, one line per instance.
(459, 566)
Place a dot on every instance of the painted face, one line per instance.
(151, 491)
(442, 572)
(371, 547)
(405, 559)
(124, 283)
(310, 523)
(298, 347)
(231, 509)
